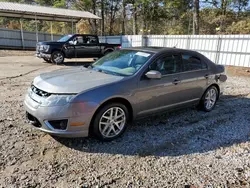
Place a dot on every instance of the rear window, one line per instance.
(191, 63)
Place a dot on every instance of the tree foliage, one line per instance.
(147, 17)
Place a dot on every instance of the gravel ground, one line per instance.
(4, 53)
(186, 148)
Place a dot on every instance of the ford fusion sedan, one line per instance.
(122, 86)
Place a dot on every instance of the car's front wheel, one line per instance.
(110, 122)
(57, 57)
(209, 99)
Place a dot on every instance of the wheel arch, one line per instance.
(217, 87)
(113, 100)
(56, 49)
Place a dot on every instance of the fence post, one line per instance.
(51, 31)
(21, 23)
(37, 38)
(217, 57)
(188, 43)
(121, 39)
(144, 40)
(164, 41)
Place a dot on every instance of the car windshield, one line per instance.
(122, 62)
(65, 38)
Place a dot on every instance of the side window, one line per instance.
(203, 65)
(78, 40)
(191, 63)
(167, 65)
(90, 40)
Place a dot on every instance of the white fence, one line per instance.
(222, 49)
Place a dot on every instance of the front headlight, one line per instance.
(44, 48)
(56, 100)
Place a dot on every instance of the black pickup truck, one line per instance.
(73, 46)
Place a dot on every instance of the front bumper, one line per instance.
(72, 112)
(43, 55)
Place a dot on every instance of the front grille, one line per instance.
(59, 124)
(33, 120)
(40, 92)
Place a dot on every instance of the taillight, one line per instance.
(119, 47)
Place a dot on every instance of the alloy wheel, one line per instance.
(58, 57)
(112, 122)
(210, 98)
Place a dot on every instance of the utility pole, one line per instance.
(123, 16)
(102, 14)
(196, 17)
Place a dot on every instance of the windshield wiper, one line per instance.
(113, 73)
(106, 71)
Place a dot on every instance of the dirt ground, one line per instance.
(186, 148)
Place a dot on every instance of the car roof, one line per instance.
(160, 49)
(163, 50)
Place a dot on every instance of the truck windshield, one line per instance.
(122, 62)
(65, 38)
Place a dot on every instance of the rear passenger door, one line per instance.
(194, 78)
(91, 47)
(87, 46)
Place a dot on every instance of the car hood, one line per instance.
(74, 80)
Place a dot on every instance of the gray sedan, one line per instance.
(120, 87)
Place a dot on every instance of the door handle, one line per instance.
(206, 76)
(176, 81)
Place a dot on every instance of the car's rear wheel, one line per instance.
(209, 99)
(110, 122)
(57, 57)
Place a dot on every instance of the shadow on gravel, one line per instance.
(182, 132)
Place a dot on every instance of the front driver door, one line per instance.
(154, 95)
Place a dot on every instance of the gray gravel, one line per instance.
(176, 149)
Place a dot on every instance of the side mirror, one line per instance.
(153, 74)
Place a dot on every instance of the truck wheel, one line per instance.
(57, 57)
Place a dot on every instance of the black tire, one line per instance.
(96, 125)
(205, 99)
(57, 57)
(47, 60)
